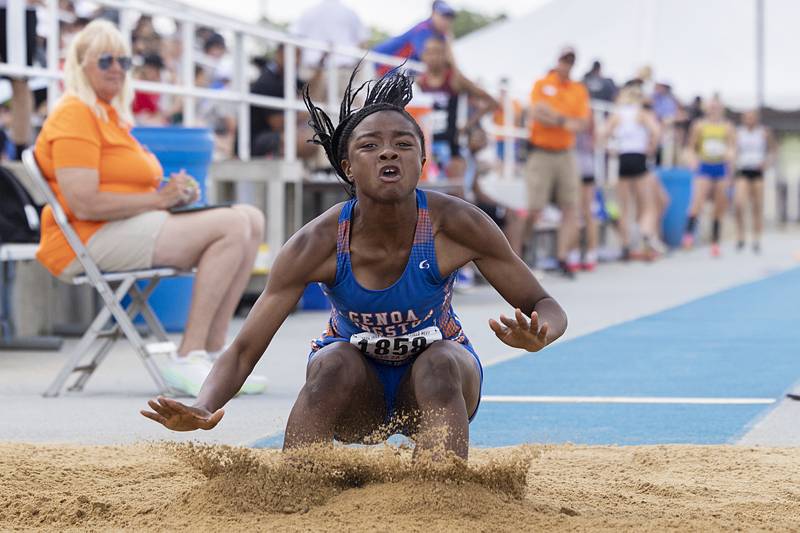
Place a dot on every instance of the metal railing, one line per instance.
(188, 19)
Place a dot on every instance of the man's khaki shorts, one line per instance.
(552, 176)
(126, 244)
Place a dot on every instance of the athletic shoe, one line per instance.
(588, 267)
(567, 270)
(739, 246)
(186, 374)
(688, 241)
(625, 254)
(715, 251)
(756, 247)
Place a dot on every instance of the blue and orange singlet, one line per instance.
(392, 326)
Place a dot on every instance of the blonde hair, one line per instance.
(97, 36)
(631, 94)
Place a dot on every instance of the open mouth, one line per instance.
(390, 172)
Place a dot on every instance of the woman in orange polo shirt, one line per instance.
(108, 185)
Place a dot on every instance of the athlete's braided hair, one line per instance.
(391, 92)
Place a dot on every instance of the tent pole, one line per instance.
(760, 54)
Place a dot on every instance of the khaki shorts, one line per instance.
(126, 244)
(550, 174)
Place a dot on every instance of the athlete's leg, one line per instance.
(624, 201)
(741, 192)
(720, 202)
(438, 396)
(587, 198)
(757, 205)
(700, 190)
(342, 396)
(645, 206)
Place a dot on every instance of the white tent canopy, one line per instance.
(699, 46)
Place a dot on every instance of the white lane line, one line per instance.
(627, 399)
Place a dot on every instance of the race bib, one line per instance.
(395, 349)
(438, 122)
(714, 148)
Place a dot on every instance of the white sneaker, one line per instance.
(186, 374)
(254, 384)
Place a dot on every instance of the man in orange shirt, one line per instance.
(559, 109)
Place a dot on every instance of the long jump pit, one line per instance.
(194, 487)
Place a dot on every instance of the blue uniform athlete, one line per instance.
(394, 357)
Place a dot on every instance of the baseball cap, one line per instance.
(443, 8)
(565, 51)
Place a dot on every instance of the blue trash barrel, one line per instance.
(678, 183)
(177, 148)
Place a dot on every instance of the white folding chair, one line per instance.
(113, 320)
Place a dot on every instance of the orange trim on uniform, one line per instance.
(73, 136)
(570, 98)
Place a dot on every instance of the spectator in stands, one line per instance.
(559, 109)
(599, 86)
(146, 105)
(411, 43)
(445, 83)
(108, 184)
(333, 22)
(145, 38)
(267, 124)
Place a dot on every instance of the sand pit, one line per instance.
(157, 487)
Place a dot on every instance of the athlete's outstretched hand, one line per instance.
(521, 332)
(179, 417)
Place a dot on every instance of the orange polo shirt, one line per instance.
(73, 136)
(570, 98)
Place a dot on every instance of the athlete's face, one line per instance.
(750, 118)
(434, 54)
(384, 156)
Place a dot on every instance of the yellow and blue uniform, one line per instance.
(713, 148)
(392, 326)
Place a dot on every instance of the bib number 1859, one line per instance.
(395, 348)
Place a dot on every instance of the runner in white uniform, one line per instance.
(755, 152)
(636, 134)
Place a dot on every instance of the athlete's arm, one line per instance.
(772, 150)
(467, 234)
(694, 136)
(653, 129)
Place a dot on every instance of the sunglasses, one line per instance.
(106, 60)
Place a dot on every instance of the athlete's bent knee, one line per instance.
(334, 372)
(437, 378)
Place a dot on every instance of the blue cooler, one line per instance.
(678, 183)
(177, 148)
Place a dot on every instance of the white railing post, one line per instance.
(332, 81)
(53, 45)
(290, 95)
(187, 74)
(509, 141)
(600, 170)
(241, 85)
(16, 43)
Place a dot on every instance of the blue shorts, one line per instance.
(714, 171)
(391, 376)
